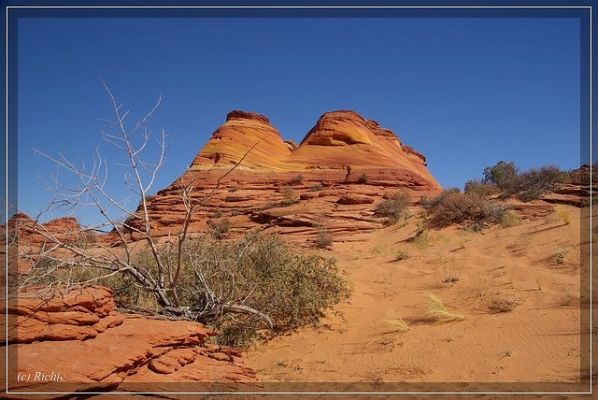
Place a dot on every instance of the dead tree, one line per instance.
(89, 188)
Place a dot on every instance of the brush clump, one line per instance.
(437, 311)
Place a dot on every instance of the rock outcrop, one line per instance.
(80, 342)
(334, 178)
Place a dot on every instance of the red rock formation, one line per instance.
(79, 336)
(335, 177)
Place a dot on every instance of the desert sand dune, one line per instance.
(517, 287)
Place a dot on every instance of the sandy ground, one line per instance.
(535, 265)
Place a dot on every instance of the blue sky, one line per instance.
(464, 92)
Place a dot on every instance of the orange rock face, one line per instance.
(79, 338)
(334, 178)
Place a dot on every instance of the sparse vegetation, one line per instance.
(316, 187)
(232, 189)
(559, 257)
(363, 178)
(323, 238)
(566, 299)
(527, 185)
(437, 311)
(498, 304)
(450, 276)
(289, 196)
(401, 256)
(219, 228)
(395, 207)
(502, 175)
(479, 188)
(398, 324)
(296, 180)
(509, 219)
(421, 239)
(472, 211)
(563, 215)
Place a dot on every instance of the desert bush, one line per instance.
(363, 178)
(498, 304)
(559, 257)
(509, 219)
(401, 256)
(395, 207)
(502, 174)
(296, 180)
(262, 272)
(467, 209)
(323, 238)
(232, 189)
(421, 239)
(289, 196)
(528, 185)
(477, 187)
(532, 184)
(316, 187)
(219, 228)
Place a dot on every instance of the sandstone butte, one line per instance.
(333, 178)
(79, 336)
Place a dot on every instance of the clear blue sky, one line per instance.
(464, 92)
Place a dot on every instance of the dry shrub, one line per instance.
(398, 324)
(401, 255)
(509, 219)
(323, 238)
(470, 210)
(259, 271)
(437, 311)
(363, 178)
(296, 180)
(289, 196)
(421, 239)
(566, 299)
(395, 207)
(559, 257)
(563, 215)
(498, 304)
(219, 228)
(526, 186)
(479, 188)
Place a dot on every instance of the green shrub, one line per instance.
(262, 272)
(526, 186)
(502, 174)
(395, 207)
(257, 271)
(363, 178)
